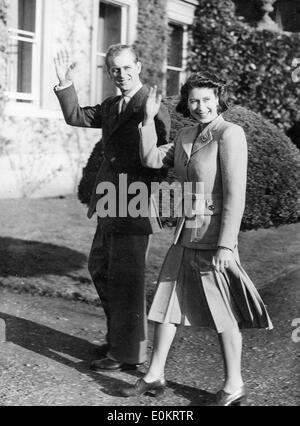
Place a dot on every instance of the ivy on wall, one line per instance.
(3, 44)
(152, 38)
(257, 63)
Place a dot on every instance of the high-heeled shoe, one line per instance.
(236, 399)
(141, 387)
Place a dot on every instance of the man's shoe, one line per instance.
(108, 364)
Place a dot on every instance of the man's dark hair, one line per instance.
(115, 50)
(202, 80)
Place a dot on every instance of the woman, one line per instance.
(202, 282)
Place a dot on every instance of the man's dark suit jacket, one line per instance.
(121, 138)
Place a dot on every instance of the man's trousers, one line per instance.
(117, 266)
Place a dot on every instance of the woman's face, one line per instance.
(203, 104)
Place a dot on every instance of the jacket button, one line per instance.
(211, 207)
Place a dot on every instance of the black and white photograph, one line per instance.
(150, 205)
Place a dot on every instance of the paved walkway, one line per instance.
(50, 343)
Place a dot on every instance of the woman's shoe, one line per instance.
(224, 399)
(141, 387)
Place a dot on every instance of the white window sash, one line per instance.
(21, 33)
(184, 54)
(181, 70)
(19, 38)
(20, 96)
(124, 24)
(169, 67)
(35, 39)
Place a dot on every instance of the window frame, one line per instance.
(33, 98)
(181, 70)
(181, 13)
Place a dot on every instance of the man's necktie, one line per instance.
(123, 105)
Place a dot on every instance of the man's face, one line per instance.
(124, 71)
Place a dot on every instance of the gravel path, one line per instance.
(50, 343)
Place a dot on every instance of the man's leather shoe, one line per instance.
(108, 364)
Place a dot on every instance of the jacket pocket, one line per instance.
(199, 206)
(207, 229)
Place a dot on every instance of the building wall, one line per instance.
(42, 156)
(39, 154)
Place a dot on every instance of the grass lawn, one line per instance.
(44, 245)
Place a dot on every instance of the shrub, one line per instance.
(89, 174)
(257, 63)
(273, 172)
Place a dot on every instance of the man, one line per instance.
(118, 253)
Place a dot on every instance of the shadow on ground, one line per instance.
(77, 353)
(32, 258)
(64, 348)
(197, 397)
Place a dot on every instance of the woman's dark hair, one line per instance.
(202, 80)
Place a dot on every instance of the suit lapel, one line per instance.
(188, 141)
(133, 106)
(206, 136)
(202, 140)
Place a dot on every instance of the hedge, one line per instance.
(273, 172)
(257, 63)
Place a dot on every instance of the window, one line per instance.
(175, 59)
(23, 65)
(112, 29)
(287, 15)
(181, 16)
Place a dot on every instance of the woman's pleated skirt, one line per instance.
(191, 292)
